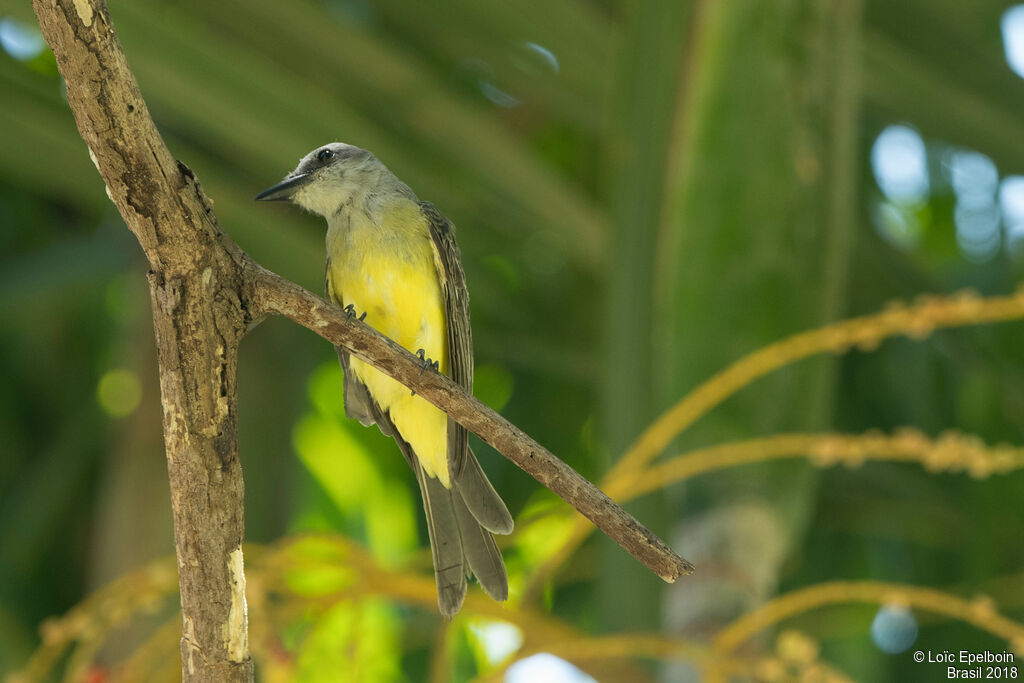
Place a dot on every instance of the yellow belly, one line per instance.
(398, 289)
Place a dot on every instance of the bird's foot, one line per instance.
(351, 311)
(427, 363)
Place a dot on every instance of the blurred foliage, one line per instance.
(650, 196)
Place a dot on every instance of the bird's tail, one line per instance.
(460, 522)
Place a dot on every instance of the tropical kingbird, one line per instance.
(393, 259)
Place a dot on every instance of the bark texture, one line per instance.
(198, 320)
(205, 294)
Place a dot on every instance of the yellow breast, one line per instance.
(385, 268)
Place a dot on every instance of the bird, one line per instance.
(392, 259)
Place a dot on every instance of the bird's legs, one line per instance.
(351, 311)
(427, 363)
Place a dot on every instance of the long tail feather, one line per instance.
(482, 553)
(480, 497)
(445, 542)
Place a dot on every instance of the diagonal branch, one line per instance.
(206, 293)
(273, 294)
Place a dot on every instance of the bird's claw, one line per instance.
(427, 363)
(351, 311)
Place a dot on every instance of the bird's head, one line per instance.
(330, 177)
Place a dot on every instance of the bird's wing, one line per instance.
(357, 397)
(479, 497)
(456, 308)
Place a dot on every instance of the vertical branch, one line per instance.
(197, 386)
(198, 320)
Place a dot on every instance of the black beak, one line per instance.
(284, 190)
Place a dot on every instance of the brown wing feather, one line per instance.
(460, 336)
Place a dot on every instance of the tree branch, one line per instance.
(206, 293)
(198, 319)
(273, 294)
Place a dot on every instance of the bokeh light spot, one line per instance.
(119, 392)
(900, 164)
(974, 176)
(1011, 204)
(21, 41)
(893, 629)
(545, 54)
(1012, 25)
(545, 668)
(497, 95)
(1011, 198)
(498, 639)
(977, 231)
(975, 181)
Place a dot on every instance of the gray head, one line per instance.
(334, 175)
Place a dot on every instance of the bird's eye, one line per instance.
(325, 155)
